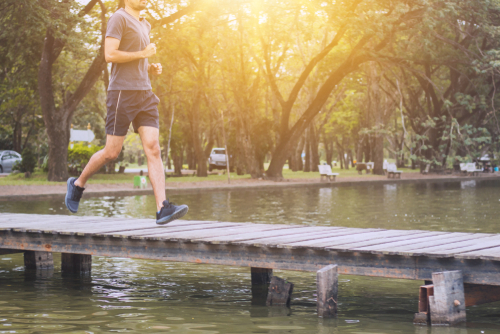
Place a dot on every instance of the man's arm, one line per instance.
(113, 55)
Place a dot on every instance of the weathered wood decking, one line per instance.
(403, 254)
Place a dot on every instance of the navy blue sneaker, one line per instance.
(170, 212)
(73, 195)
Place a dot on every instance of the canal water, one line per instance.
(139, 296)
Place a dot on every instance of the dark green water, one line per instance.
(138, 296)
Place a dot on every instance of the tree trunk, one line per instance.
(375, 108)
(328, 143)
(299, 165)
(314, 149)
(307, 164)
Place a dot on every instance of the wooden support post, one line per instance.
(261, 277)
(280, 292)
(447, 306)
(423, 315)
(38, 260)
(76, 263)
(327, 290)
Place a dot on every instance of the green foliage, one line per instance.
(28, 162)
(81, 153)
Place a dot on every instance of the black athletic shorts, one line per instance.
(139, 107)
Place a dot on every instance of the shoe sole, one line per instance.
(67, 192)
(174, 216)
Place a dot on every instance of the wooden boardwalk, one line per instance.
(407, 254)
(404, 254)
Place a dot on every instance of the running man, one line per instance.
(130, 100)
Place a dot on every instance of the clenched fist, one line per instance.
(156, 68)
(149, 51)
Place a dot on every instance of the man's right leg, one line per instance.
(109, 153)
(75, 187)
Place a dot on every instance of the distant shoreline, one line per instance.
(41, 192)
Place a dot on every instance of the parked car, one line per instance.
(217, 159)
(7, 160)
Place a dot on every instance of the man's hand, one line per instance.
(156, 69)
(149, 51)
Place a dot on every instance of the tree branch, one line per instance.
(177, 15)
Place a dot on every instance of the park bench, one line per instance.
(472, 170)
(392, 171)
(426, 170)
(463, 167)
(326, 171)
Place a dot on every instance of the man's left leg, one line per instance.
(166, 211)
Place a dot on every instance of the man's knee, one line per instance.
(152, 149)
(111, 154)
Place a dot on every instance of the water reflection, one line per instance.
(138, 296)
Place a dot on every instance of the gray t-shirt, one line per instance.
(134, 36)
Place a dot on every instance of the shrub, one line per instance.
(79, 156)
(28, 162)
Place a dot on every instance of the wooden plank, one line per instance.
(450, 244)
(26, 221)
(122, 226)
(29, 218)
(490, 253)
(226, 229)
(76, 227)
(475, 248)
(171, 233)
(386, 239)
(304, 229)
(232, 239)
(335, 235)
(283, 241)
(274, 239)
(256, 230)
(237, 232)
(357, 236)
(56, 220)
(401, 247)
(96, 227)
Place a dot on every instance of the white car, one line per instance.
(217, 159)
(7, 160)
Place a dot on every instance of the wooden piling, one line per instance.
(280, 292)
(447, 305)
(261, 277)
(327, 291)
(76, 263)
(34, 260)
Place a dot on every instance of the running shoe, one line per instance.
(73, 195)
(170, 212)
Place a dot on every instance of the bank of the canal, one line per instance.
(139, 296)
(58, 190)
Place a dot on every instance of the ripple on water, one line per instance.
(138, 296)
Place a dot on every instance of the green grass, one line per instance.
(40, 178)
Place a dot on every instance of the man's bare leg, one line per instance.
(109, 153)
(150, 138)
